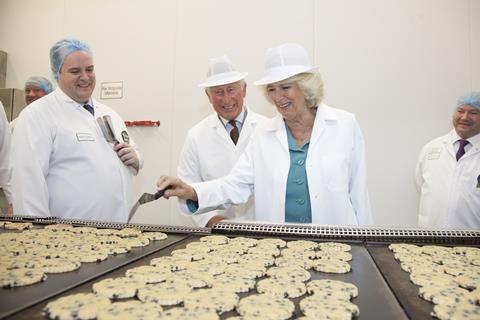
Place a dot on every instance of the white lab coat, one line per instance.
(5, 140)
(64, 167)
(209, 153)
(335, 166)
(449, 190)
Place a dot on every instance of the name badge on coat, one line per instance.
(434, 153)
(84, 137)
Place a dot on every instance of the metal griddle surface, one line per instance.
(13, 300)
(375, 299)
(399, 280)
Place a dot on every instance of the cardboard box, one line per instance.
(13, 101)
(3, 68)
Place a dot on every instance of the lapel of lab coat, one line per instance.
(62, 98)
(248, 126)
(448, 141)
(277, 125)
(217, 126)
(324, 117)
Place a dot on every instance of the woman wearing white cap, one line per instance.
(306, 165)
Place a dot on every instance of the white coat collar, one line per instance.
(63, 97)
(324, 114)
(475, 140)
(452, 137)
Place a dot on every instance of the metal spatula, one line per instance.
(107, 119)
(144, 198)
(101, 124)
(106, 126)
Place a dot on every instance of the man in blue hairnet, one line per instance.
(36, 87)
(448, 172)
(62, 164)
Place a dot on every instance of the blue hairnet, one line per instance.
(471, 98)
(40, 82)
(62, 49)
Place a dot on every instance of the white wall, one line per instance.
(398, 65)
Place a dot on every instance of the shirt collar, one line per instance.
(240, 118)
(90, 102)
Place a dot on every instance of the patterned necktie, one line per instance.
(89, 108)
(461, 149)
(234, 132)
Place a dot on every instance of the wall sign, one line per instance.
(111, 90)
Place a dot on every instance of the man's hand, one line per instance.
(127, 154)
(178, 188)
(214, 220)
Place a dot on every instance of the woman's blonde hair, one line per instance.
(310, 83)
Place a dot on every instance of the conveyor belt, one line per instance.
(104, 224)
(309, 231)
(385, 290)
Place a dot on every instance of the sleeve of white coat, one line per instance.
(5, 141)
(188, 170)
(235, 188)
(358, 179)
(31, 148)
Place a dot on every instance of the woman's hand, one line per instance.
(178, 188)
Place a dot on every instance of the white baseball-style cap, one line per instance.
(221, 71)
(285, 61)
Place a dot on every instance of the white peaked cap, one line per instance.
(285, 61)
(221, 71)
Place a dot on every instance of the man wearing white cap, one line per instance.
(307, 165)
(448, 172)
(213, 146)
